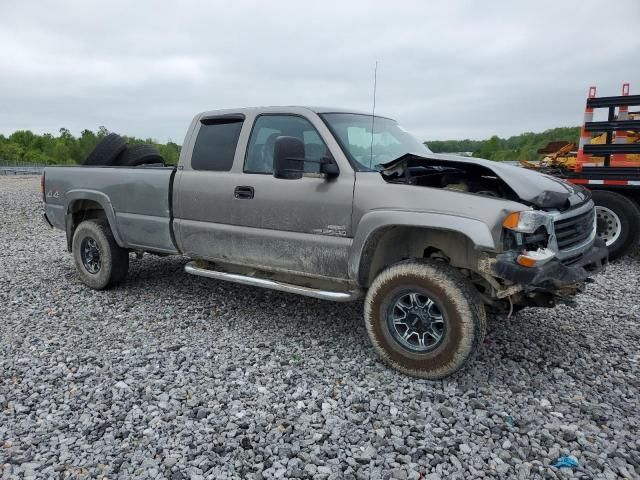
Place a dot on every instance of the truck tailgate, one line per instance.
(135, 199)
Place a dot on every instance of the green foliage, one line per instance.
(27, 147)
(519, 147)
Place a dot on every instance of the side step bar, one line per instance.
(273, 284)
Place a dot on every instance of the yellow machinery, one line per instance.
(565, 156)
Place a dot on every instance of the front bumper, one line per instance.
(554, 274)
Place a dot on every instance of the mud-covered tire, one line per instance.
(624, 214)
(142, 154)
(113, 261)
(107, 150)
(458, 303)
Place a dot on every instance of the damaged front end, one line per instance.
(549, 250)
(464, 177)
(484, 177)
(550, 255)
(544, 284)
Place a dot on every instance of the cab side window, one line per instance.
(216, 144)
(267, 128)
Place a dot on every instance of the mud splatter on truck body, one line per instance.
(285, 198)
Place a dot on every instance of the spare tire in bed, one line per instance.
(107, 150)
(139, 155)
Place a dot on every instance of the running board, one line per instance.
(273, 284)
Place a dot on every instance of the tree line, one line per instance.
(64, 148)
(519, 147)
(24, 146)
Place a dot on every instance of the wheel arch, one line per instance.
(87, 204)
(378, 243)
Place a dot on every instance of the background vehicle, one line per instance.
(340, 205)
(609, 164)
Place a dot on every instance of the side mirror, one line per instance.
(329, 168)
(288, 158)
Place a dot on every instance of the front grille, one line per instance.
(573, 231)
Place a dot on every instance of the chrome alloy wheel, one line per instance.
(608, 224)
(416, 321)
(90, 255)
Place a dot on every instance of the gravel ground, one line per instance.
(175, 376)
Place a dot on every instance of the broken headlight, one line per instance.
(527, 221)
(526, 241)
(527, 233)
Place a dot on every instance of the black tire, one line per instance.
(620, 233)
(113, 261)
(107, 150)
(454, 298)
(143, 154)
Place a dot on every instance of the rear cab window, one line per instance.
(216, 143)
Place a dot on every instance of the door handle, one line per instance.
(243, 192)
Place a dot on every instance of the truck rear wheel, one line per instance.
(424, 318)
(100, 262)
(617, 222)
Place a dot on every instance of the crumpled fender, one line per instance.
(378, 220)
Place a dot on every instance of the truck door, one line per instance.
(204, 185)
(302, 225)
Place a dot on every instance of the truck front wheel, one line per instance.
(99, 260)
(424, 318)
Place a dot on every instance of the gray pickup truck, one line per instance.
(340, 205)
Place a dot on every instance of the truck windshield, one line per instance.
(367, 147)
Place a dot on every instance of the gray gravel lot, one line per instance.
(175, 376)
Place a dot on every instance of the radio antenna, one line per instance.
(373, 110)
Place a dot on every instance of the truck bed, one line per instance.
(137, 201)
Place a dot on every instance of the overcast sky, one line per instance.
(447, 70)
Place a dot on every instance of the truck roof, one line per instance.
(282, 109)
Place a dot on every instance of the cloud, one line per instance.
(455, 70)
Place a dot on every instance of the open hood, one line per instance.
(474, 175)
